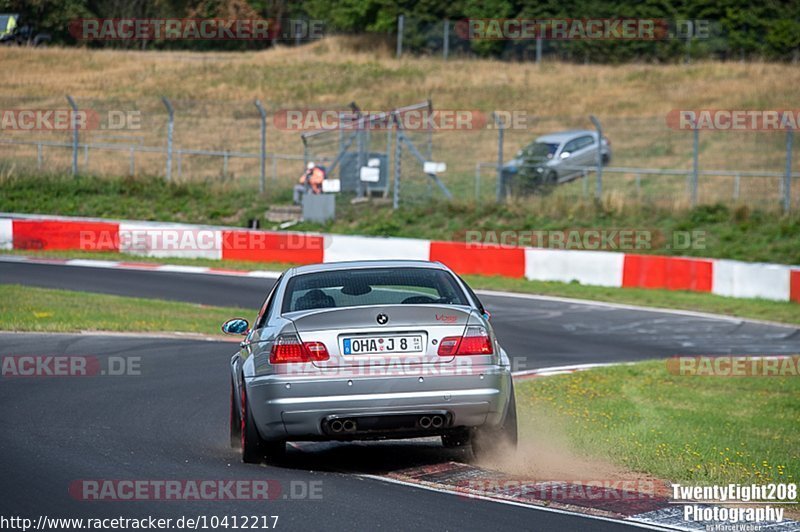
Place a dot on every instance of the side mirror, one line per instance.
(236, 326)
(565, 154)
(487, 315)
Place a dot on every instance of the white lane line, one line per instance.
(156, 267)
(627, 521)
(558, 370)
(92, 263)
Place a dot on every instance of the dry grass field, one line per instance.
(213, 94)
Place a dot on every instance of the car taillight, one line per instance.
(288, 348)
(475, 341)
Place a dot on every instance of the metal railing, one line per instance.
(134, 149)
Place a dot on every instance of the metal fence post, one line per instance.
(477, 182)
(787, 179)
(400, 24)
(74, 134)
(39, 156)
(598, 192)
(539, 50)
(263, 113)
(695, 162)
(736, 180)
(446, 42)
(501, 126)
(360, 157)
(170, 130)
(398, 153)
(133, 161)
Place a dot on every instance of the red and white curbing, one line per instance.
(601, 268)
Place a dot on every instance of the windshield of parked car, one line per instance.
(540, 150)
(371, 286)
(5, 27)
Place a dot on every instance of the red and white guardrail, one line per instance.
(602, 268)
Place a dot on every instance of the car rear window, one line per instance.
(371, 286)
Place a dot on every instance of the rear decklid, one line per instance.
(382, 334)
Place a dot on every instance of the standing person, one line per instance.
(310, 180)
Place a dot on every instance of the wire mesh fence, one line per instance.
(227, 141)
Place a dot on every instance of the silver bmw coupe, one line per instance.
(369, 350)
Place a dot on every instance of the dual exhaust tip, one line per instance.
(343, 425)
(431, 422)
(347, 425)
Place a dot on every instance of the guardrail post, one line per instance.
(787, 178)
(39, 155)
(133, 161)
(263, 113)
(598, 191)
(170, 130)
(736, 180)
(74, 134)
(225, 165)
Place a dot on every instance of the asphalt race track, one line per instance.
(537, 333)
(169, 421)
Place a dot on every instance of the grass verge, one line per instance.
(24, 308)
(695, 429)
(758, 309)
(716, 231)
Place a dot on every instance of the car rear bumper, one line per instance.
(293, 407)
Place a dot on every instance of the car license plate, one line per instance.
(376, 345)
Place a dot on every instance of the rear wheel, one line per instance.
(251, 442)
(254, 447)
(486, 442)
(235, 421)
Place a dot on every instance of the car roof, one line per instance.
(359, 264)
(564, 136)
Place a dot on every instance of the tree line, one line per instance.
(724, 29)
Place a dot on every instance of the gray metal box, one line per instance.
(319, 208)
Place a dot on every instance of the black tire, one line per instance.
(251, 441)
(254, 448)
(456, 439)
(486, 442)
(235, 421)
